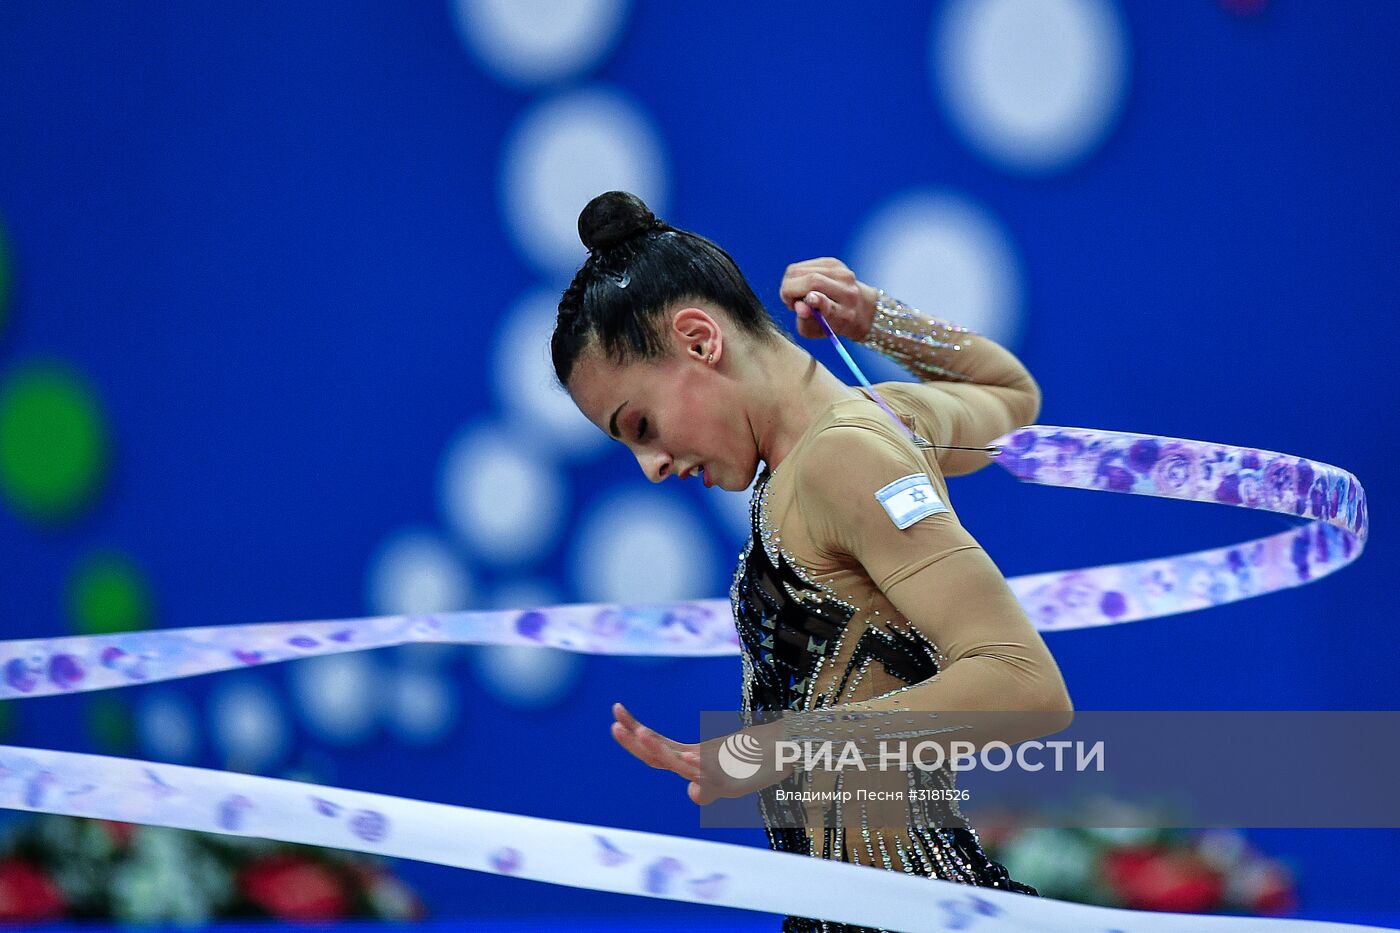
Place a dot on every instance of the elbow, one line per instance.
(1026, 407)
(1037, 700)
(1054, 704)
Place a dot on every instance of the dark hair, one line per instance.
(637, 268)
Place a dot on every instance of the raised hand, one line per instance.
(828, 286)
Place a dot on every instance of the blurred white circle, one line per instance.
(565, 152)
(415, 573)
(526, 676)
(504, 498)
(1033, 84)
(534, 41)
(525, 382)
(422, 706)
(525, 594)
(426, 656)
(339, 695)
(167, 727)
(643, 546)
(247, 725)
(947, 257)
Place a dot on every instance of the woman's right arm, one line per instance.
(976, 389)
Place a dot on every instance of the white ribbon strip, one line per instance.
(574, 854)
(651, 865)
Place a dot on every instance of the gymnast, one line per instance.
(858, 589)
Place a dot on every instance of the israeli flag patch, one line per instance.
(909, 499)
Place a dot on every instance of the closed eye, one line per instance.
(641, 428)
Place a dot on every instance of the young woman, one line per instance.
(858, 589)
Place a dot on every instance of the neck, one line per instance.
(790, 391)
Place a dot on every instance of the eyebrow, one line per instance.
(612, 422)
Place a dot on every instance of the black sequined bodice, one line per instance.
(790, 629)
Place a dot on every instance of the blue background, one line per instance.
(271, 237)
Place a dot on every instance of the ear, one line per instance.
(698, 335)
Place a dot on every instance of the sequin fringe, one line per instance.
(921, 344)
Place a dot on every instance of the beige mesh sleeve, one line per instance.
(934, 573)
(972, 388)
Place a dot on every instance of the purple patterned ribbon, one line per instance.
(1329, 499)
(576, 854)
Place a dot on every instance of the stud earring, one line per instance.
(710, 358)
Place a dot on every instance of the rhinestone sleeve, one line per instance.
(923, 345)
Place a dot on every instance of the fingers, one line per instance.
(799, 287)
(807, 325)
(817, 301)
(623, 716)
(700, 795)
(826, 286)
(828, 264)
(653, 748)
(705, 786)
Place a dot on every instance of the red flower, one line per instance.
(26, 893)
(1155, 879)
(120, 833)
(1271, 894)
(1122, 867)
(294, 889)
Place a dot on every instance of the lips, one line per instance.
(696, 470)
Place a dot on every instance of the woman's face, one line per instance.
(678, 414)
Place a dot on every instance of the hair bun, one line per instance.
(612, 218)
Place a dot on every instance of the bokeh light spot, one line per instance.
(565, 151)
(1034, 85)
(108, 593)
(53, 443)
(531, 42)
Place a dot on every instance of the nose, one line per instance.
(656, 465)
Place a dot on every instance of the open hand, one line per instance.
(828, 286)
(698, 764)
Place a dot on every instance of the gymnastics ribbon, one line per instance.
(1329, 498)
(1146, 465)
(573, 854)
(624, 861)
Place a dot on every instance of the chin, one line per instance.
(748, 475)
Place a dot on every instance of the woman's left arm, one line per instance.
(934, 573)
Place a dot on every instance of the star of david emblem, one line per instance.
(918, 495)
